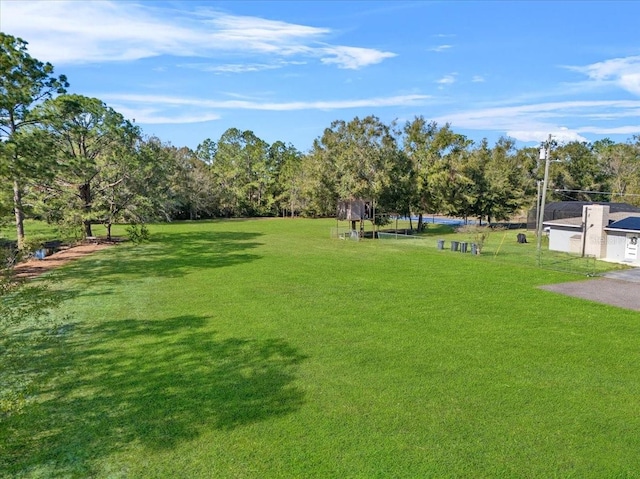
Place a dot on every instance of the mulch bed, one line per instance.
(35, 267)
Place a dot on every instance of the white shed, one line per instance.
(607, 236)
(622, 240)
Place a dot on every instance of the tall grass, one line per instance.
(263, 348)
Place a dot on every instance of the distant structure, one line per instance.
(355, 211)
(572, 209)
(599, 233)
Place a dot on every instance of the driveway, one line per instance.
(617, 288)
(631, 275)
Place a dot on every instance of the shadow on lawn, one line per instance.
(153, 383)
(167, 255)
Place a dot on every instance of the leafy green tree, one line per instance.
(132, 186)
(240, 171)
(620, 163)
(192, 184)
(223, 174)
(24, 82)
(447, 183)
(94, 147)
(530, 167)
(437, 156)
(285, 167)
(507, 182)
(477, 189)
(320, 189)
(579, 173)
(358, 160)
(417, 146)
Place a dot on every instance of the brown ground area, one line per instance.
(35, 267)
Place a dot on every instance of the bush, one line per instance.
(479, 234)
(138, 233)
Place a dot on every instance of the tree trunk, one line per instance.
(109, 231)
(87, 229)
(85, 194)
(19, 212)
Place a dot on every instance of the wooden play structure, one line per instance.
(356, 212)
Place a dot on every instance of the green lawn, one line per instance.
(264, 349)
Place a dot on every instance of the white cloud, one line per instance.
(561, 135)
(616, 130)
(239, 67)
(477, 79)
(630, 82)
(258, 33)
(622, 72)
(354, 58)
(150, 116)
(155, 109)
(447, 79)
(169, 101)
(83, 32)
(534, 122)
(440, 48)
(76, 32)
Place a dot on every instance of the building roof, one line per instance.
(559, 210)
(576, 206)
(631, 223)
(576, 222)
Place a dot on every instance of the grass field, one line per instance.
(266, 349)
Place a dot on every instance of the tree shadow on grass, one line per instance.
(167, 255)
(153, 383)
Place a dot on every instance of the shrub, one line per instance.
(138, 233)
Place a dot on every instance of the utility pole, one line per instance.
(545, 153)
(539, 186)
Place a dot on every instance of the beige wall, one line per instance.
(595, 218)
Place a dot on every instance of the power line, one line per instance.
(560, 190)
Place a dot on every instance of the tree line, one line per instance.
(76, 162)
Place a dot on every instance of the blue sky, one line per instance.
(187, 71)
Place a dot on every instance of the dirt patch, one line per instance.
(614, 292)
(35, 267)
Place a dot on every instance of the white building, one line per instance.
(607, 236)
